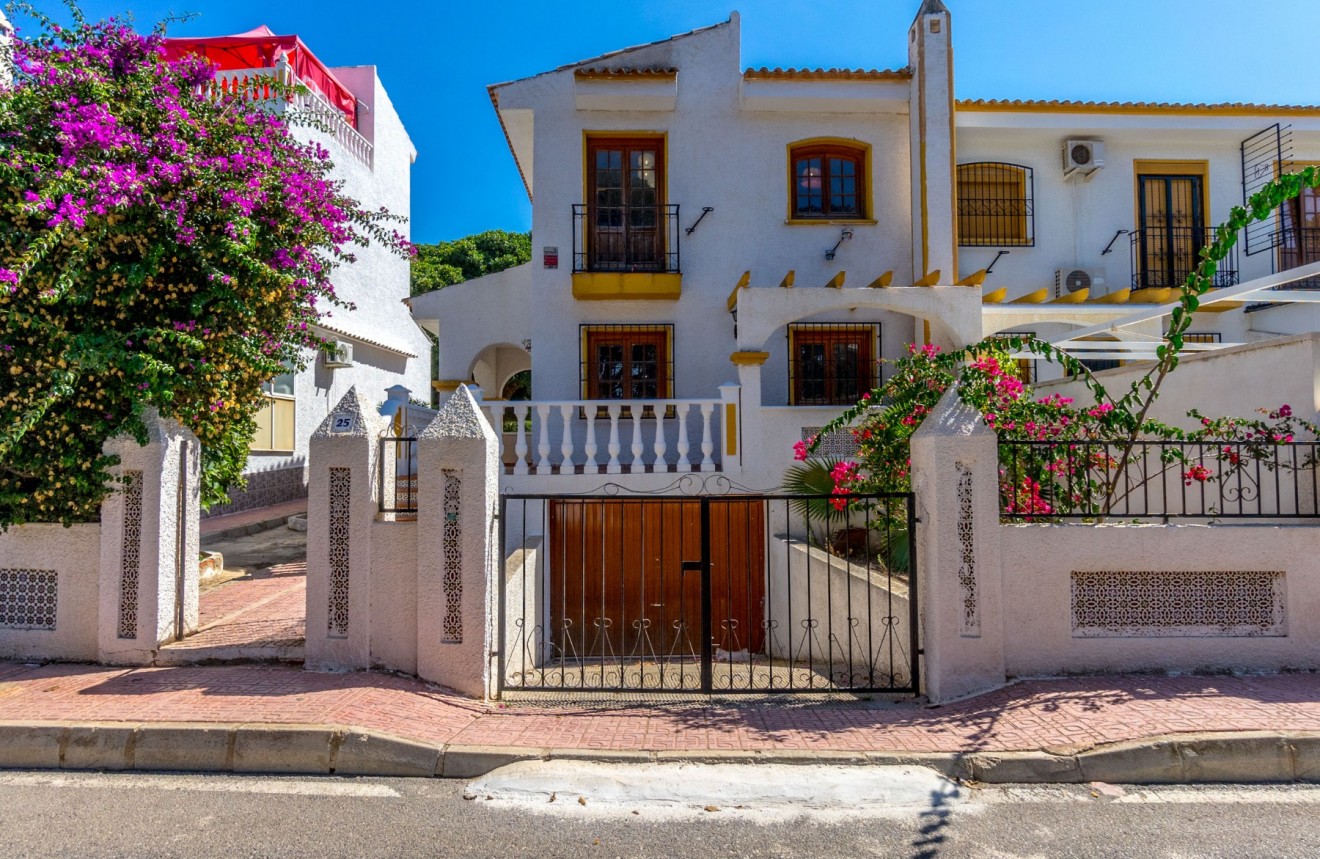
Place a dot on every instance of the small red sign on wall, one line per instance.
(550, 256)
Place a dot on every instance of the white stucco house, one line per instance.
(379, 345)
(736, 247)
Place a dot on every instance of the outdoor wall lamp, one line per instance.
(843, 237)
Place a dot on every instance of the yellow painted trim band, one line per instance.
(730, 429)
(749, 359)
(627, 286)
(447, 385)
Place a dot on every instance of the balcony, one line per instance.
(255, 85)
(626, 252)
(1165, 256)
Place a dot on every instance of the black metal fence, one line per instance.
(707, 594)
(626, 238)
(397, 470)
(1159, 481)
(1165, 256)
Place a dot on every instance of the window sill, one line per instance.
(271, 452)
(830, 222)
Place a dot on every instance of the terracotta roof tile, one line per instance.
(1054, 106)
(764, 73)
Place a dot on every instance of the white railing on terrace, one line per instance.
(608, 436)
(255, 84)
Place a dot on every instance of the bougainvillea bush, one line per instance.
(159, 248)
(1073, 471)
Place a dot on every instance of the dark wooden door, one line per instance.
(625, 580)
(625, 186)
(1172, 228)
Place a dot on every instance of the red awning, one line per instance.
(262, 49)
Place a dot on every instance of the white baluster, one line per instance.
(520, 444)
(707, 442)
(637, 466)
(613, 466)
(590, 466)
(566, 443)
(543, 443)
(683, 448)
(497, 424)
(659, 464)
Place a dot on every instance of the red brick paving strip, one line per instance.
(215, 524)
(1031, 715)
(267, 609)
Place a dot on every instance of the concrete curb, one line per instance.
(251, 528)
(1253, 757)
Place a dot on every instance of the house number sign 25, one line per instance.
(341, 423)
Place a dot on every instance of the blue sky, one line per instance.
(436, 59)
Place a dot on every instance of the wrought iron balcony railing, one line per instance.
(625, 238)
(1299, 246)
(1165, 256)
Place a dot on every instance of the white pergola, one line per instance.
(1136, 346)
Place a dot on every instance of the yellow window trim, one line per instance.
(1171, 167)
(587, 329)
(868, 205)
(868, 328)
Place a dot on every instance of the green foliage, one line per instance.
(159, 249)
(446, 263)
(885, 418)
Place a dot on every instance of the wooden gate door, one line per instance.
(625, 577)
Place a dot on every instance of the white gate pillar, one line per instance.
(955, 475)
(341, 506)
(149, 544)
(457, 489)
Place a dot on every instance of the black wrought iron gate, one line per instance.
(709, 594)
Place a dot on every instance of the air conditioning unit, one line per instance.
(338, 353)
(1082, 157)
(1070, 280)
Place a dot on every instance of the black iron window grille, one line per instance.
(625, 237)
(397, 472)
(1203, 337)
(995, 205)
(627, 362)
(831, 363)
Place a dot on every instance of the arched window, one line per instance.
(828, 181)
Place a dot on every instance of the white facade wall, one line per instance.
(720, 152)
(377, 284)
(74, 556)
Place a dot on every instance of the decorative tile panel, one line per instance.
(971, 611)
(840, 444)
(341, 498)
(28, 599)
(1153, 603)
(130, 557)
(451, 539)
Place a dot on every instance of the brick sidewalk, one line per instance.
(1038, 714)
(218, 524)
(259, 616)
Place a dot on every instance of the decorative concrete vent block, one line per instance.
(28, 599)
(1153, 604)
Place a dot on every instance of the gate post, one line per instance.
(341, 507)
(457, 489)
(955, 476)
(149, 544)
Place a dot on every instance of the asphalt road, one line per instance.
(107, 815)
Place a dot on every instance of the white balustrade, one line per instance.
(627, 449)
(255, 85)
(543, 446)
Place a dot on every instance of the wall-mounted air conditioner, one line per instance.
(1076, 278)
(1082, 157)
(339, 353)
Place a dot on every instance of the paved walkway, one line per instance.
(1074, 713)
(236, 521)
(258, 617)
